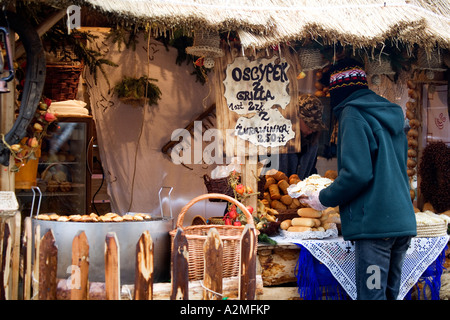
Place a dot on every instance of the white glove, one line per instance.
(314, 202)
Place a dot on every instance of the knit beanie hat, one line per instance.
(310, 109)
(344, 78)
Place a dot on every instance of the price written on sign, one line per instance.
(267, 129)
(256, 89)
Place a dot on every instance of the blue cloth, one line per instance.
(315, 281)
(431, 280)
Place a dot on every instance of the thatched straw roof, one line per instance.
(260, 23)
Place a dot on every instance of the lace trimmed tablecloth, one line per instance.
(338, 256)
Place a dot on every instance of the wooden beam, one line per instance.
(41, 30)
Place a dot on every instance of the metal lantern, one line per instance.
(206, 45)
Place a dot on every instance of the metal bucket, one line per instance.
(128, 234)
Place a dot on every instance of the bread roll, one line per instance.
(329, 225)
(333, 219)
(269, 181)
(274, 192)
(296, 202)
(278, 205)
(285, 224)
(294, 179)
(286, 199)
(75, 217)
(283, 185)
(127, 217)
(324, 216)
(304, 222)
(43, 217)
(280, 176)
(309, 213)
(298, 228)
(293, 205)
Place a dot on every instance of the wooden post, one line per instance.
(112, 267)
(7, 118)
(48, 260)
(35, 277)
(79, 286)
(213, 255)
(143, 284)
(247, 265)
(180, 267)
(16, 256)
(27, 246)
(249, 175)
(5, 263)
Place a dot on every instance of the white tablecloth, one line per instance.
(338, 256)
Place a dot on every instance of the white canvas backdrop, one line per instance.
(134, 166)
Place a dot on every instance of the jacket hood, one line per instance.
(374, 108)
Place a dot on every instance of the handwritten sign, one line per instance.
(267, 129)
(254, 86)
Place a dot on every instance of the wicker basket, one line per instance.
(197, 234)
(61, 81)
(432, 230)
(311, 59)
(220, 185)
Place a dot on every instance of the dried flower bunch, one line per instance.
(38, 128)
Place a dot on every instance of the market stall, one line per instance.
(230, 115)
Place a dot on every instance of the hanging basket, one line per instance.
(61, 82)
(206, 44)
(379, 67)
(311, 59)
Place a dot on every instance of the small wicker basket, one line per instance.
(220, 185)
(311, 59)
(61, 81)
(197, 234)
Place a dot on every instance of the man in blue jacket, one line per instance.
(372, 187)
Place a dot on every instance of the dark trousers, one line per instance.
(378, 267)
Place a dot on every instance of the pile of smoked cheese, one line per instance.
(312, 220)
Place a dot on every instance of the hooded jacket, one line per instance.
(372, 187)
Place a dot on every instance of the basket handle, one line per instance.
(183, 211)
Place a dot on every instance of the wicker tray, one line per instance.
(197, 234)
(432, 230)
